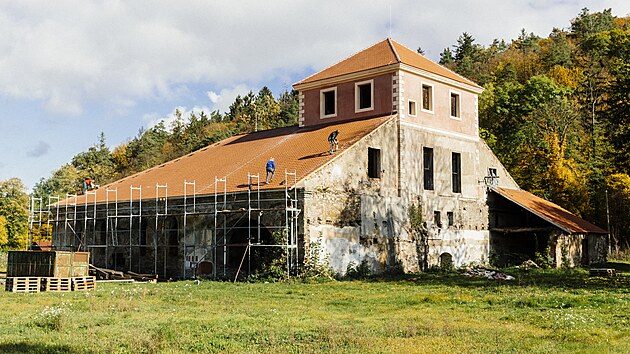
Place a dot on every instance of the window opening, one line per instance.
(437, 218)
(364, 96)
(457, 172)
(427, 154)
(374, 163)
(328, 102)
(455, 105)
(427, 97)
(412, 108)
(450, 217)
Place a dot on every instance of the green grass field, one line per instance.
(540, 311)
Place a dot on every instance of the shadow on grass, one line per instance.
(542, 278)
(623, 267)
(23, 347)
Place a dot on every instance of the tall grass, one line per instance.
(539, 311)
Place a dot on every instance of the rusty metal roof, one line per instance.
(300, 150)
(549, 211)
(382, 54)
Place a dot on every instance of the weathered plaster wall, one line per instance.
(355, 218)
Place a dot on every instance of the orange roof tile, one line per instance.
(300, 150)
(381, 54)
(549, 211)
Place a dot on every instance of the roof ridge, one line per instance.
(340, 61)
(391, 46)
(468, 81)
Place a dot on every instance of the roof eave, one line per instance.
(443, 79)
(496, 190)
(302, 86)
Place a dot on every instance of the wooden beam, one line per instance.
(514, 230)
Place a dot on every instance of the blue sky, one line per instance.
(70, 70)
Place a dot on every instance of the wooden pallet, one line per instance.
(57, 284)
(23, 284)
(83, 283)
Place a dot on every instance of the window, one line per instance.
(457, 172)
(328, 103)
(427, 97)
(455, 105)
(437, 218)
(450, 217)
(374, 163)
(364, 95)
(427, 154)
(412, 108)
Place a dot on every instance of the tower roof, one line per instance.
(381, 54)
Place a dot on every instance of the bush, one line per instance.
(358, 271)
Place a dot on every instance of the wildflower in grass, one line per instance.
(52, 317)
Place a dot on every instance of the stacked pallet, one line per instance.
(83, 283)
(23, 284)
(58, 284)
(35, 271)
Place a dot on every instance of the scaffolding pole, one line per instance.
(111, 218)
(157, 215)
(216, 214)
(186, 213)
(131, 216)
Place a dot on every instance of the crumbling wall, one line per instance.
(359, 219)
(352, 217)
(567, 249)
(466, 239)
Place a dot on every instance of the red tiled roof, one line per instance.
(300, 150)
(381, 54)
(549, 211)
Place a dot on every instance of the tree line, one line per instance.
(554, 110)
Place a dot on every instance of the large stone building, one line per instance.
(411, 185)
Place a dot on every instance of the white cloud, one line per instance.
(67, 54)
(221, 101)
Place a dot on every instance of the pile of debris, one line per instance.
(116, 275)
(487, 273)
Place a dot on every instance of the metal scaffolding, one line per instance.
(232, 221)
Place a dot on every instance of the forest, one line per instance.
(554, 110)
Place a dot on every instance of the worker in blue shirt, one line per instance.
(271, 169)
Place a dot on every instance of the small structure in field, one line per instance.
(35, 271)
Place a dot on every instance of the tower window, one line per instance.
(328, 102)
(427, 97)
(364, 95)
(455, 105)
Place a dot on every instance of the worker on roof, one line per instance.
(271, 170)
(332, 139)
(88, 184)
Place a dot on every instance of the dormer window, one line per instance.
(364, 96)
(328, 102)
